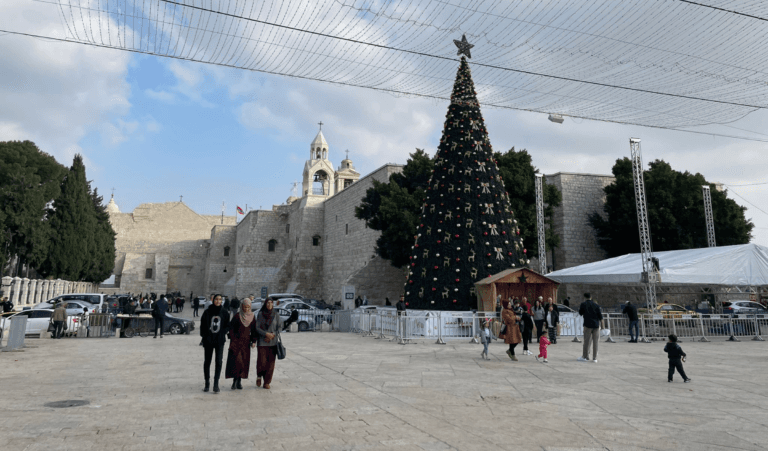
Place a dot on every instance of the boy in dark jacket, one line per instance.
(676, 358)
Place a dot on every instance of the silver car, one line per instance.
(73, 307)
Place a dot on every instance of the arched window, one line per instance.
(316, 240)
(272, 244)
(226, 251)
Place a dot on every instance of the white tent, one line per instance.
(739, 265)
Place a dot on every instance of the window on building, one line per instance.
(148, 273)
(346, 231)
(272, 244)
(347, 182)
(316, 240)
(287, 228)
(226, 251)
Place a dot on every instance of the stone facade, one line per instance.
(312, 245)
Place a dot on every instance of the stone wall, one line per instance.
(350, 246)
(582, 195)
(220, 269)
(256, 266)
(306, 222)
(169, 238)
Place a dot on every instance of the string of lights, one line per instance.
(668, 65)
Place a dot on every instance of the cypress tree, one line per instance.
(467, 230)
(102, 260)
(72, 222)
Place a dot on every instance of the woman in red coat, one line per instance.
(242, 337)
(512, 335)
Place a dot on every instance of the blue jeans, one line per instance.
(633, 325)
(485, 347)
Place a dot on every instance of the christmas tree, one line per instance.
(467, 231)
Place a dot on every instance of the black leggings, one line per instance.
(539, 328)
(207, 364)
(526, 338)
(676, 364)
(512, 348)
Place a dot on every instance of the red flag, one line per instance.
(240, 210)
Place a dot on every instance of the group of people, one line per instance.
(246, 330)
(518, 320)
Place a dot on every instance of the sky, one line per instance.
(155, 129)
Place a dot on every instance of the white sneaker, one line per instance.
(595, 361)
(546, 361)
(582, 359)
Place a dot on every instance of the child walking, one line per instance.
(543, 343)
(676, 358)
(485, 336)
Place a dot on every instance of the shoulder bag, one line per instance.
(280, 347)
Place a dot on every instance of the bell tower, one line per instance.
(319, 177)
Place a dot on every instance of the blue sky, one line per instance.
(157, 128)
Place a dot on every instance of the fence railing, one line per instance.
(405, 327)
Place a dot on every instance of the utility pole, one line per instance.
(649, 261)
(708, 216)
(540, 221)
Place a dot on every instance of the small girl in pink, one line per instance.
(543, 343)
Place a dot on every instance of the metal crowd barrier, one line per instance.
(405, 327)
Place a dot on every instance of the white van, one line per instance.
(96, 299)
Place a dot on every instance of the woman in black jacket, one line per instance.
(214, 326)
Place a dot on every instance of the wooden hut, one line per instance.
(512, 283)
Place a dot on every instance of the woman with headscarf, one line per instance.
(511, 325)
(242, 337)
(268, 324)
(214, 325)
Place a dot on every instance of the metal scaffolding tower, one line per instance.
(649, 269)
(540, 221)
(708, 216)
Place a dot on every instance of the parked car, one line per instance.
(744, 307)
(675, 311)
(172, 324)
(73, 307)
(309, 317)
(37, 320)
(97, 299)
(564, 309)
(280, 296)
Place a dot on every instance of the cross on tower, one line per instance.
(347, 153)
(180, 198)
(321, 125)
(113, 192)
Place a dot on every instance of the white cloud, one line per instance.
(53, 93)
(163, 96)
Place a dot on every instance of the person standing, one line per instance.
(213, 328)
(631, 312)
(552, 319)
(59, 318)
(159, 308)
(235, 305)
(242, 337)
(386, 301)
(567, 301)
(183, 301)
(400, 307)
(526, 329)
(485, 337)
(511, 329)
(593, 319)
(538, 317)
(145, 304)
(195, 306)
(7, 305)
(526, 305)
(268, 324)
(676, 358)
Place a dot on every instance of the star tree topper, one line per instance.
(463, 46)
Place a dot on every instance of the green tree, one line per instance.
(394, 208)
(102, 260)
(675, 207)
(73, 223)
(519, 175)
(29, 180)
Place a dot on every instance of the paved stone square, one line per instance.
(340, 391)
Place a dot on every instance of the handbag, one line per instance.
(503, 330)
(65, 325)
(51, 327)
(280, 347)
